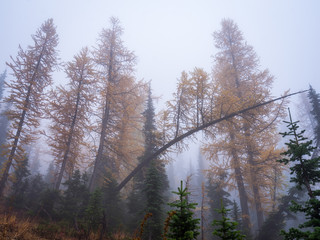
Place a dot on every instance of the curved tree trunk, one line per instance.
(161, 150)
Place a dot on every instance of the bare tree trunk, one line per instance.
(72, 126)
(98, 160)
(241, 189)
(255, 190)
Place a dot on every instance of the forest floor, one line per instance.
(18, 226)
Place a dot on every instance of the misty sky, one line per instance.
(171, 36)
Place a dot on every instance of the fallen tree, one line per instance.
(177, 139)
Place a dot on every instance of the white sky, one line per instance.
(170, 36)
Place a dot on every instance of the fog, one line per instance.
(169, 37)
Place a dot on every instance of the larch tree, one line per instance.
(118, 102)
(171, 142)
(32, 70)
(69, 111)
(190, 107)
(124, 141)
(244, 145)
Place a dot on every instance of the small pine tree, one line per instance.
(150, 186)
(35, 193)
(226, 229)
(236, 215)
(154, 203)
(112, 204)
(75, 198)
(94, 211)
(50, 175)
(48, 199)
(216, 194)
(20, 184)
(182, 224)
(305, 172)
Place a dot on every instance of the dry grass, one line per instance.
(12, 228)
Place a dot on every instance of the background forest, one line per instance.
(91, 158)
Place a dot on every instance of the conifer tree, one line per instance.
(236, 215)
(20, 184)
(118, 101)
(156, 181)
(226, 229)
(50, 176)
(34, 194)
(182, 224)
(217, 194)
(149, 190)
(69, 111)
(136, 201)
(155, 186)
(113, 206)
(32, 70)
(305, 173)
(75, 198)
(94, 211)
(190, 107)
(246, 144)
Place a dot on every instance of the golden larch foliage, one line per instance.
(31, 70)
(246, 144)
(69, 111)
(120, 100)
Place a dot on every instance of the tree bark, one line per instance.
(241, 188)
(99, 156)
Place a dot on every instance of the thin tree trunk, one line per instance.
(256, 191)
(241, 188)
(253, 177)
(72, 126)
(99, 155)
(8, 164)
